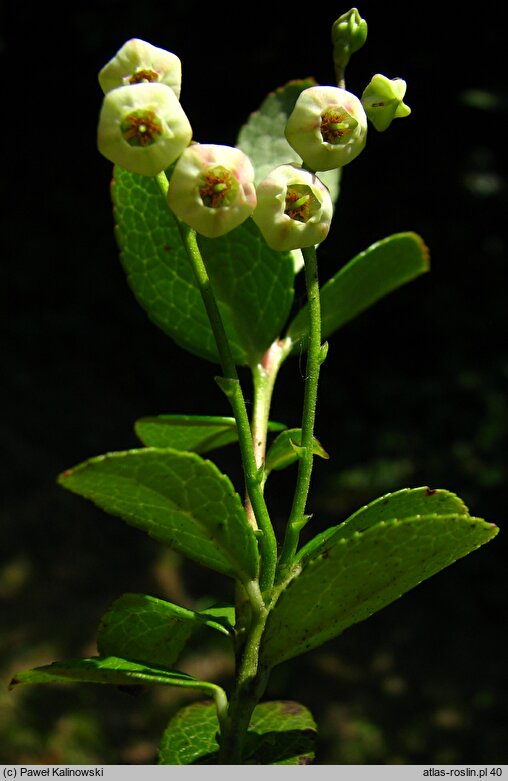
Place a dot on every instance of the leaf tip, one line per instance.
(423, 249)
(13, 682)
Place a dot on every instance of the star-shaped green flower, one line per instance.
(382, 101)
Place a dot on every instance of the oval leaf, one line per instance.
(196, 433)
(252, 283)
(147, 629)
(354, 577)
(406, 503)
(383, 267)
(179, 499)
(280, 733)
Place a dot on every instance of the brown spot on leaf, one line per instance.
(430, 491)
(291, 707)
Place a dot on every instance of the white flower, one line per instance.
(212, 188)
(294, 209)
(138, 62)
(327, 127)
(143, 128)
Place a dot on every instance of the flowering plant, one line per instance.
(224, 233)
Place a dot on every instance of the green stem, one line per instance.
(316, 353)
(221, 701)
(250, 685)
(230, 384)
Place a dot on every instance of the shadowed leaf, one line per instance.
(280, 733)
(252, 283)
(196, 433)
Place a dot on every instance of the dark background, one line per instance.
(413, 392)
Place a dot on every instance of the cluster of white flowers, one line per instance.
(143, 128)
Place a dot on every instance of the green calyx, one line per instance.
(218, 187)
(383, 102)
(141, 128)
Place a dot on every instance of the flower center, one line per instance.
(141, 128)
(218, 187)
(336, 125)
(301, 203)
(143, 75)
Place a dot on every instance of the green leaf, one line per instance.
(280, 733)
(354, 577)
(252, 283)
(189, 737)
(223, 615)
(147, 629)
(283, 450)
(111, 670)
(262, 137)
(380, 269)
(179, 499)
(406, 503)
(197, 433)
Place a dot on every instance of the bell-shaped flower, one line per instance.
(138, 62)
(143, 128)
(327, 127)
(212, 188)
(382, 100)
(294, 208)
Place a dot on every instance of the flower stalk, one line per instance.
(316, 353)
(230, 385)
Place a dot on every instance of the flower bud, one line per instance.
(382, 101)
(138, 62)
(327, 127)
(294, 209)
(143, 128)
(212, 188)
(349, 33)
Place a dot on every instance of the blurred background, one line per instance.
(413, 392)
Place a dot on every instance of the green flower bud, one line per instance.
(328, 127)
(349, 33)
(138, 62)
(294, 209)
(382, 101)
(143, 128)
(212, 188)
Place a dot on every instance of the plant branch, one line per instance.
(316, 354)
(230, 384)
(250, 685)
